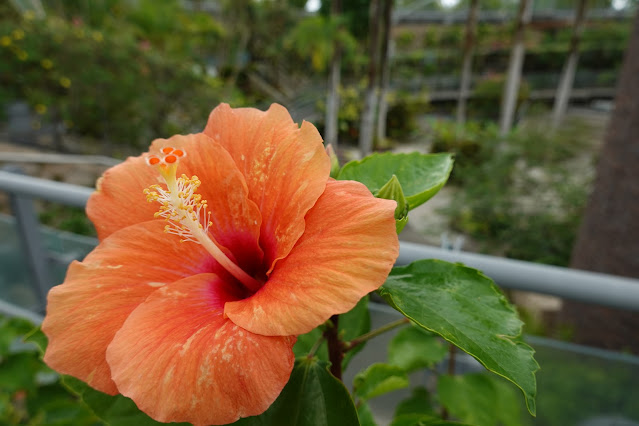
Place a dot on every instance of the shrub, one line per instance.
(473, 144)
(520, 198)
(486, 100)
(105, 84)
(405, 39)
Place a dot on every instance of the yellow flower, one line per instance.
(22, 55)
(47, 64)
(5, 41)
(18, 34)
(41, 108)
(97, 36)
(65, 82)
(28, 15)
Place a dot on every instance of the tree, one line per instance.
(326, 41)
(239, 18)
(355, 14)
(516, 62)
(608, 238)
(466, 74)
(570, 67)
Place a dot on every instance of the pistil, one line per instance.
(186, 212)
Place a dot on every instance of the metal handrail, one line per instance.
(51, 158)
(592, 287)
(500, 16)
(600, 289)
(59, 192)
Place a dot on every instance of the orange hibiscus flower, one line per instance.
(191, 302)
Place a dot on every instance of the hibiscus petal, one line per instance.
(285, 168)
(180, 360)
(120, 188)
(85, 312)
(236, 219)
(120, 201)
(347, 250)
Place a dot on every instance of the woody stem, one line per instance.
(335, 346)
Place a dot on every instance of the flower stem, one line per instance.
(316, 346)
(336, 346)
(452, 350)
(374, 333)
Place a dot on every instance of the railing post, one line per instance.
(28, 227)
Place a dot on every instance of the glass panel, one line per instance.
(579, 385)
(16, 284)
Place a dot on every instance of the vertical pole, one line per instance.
(568, 74)
(385, 58)
(28, 230)
(332, 102)
(368, 114)
(513, 79)
(466, 75)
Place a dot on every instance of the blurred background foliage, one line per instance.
(109, 76)
(30, 392)
(115, 74)
(522, 200)
(125, 72)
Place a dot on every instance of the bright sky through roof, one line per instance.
(619, 4)
(312, 5)
(449, 3)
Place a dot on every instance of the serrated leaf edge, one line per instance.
(530, 402)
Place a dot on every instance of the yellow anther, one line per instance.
(186, 212)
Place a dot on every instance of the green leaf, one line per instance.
(335, 167)
(412, 349)
(8, 413)
(353, 324)
(400, 224)
(466, 308)
(11, 329)
(423, 420)
(38, 338)
(393, 191)
(420, 175)
(508, 405)
(479, 399)
(417, 411)
(365, 414)
(53, 404)
(305, 343)
(66, 412)
(114, 410)
(18, 372)
(379, 379)
(312, 397)
(417, 403)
